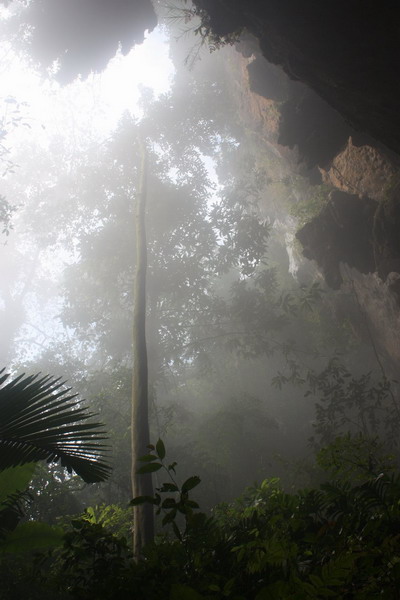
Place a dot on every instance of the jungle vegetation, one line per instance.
(272, 440)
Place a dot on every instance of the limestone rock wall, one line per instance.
(355, 240)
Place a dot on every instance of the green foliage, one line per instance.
(93, 563)
(349, 403)
(54, 494)
(338, 541)
(305, 300)
(355, 458)
(13, 496)
(115, 519)
(197, 20)
(183, 592)
(16, 537)
(39, 422)
(15, 479)
(31, 536)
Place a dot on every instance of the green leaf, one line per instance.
(169, 517)
(191, 504)
(316, 581)
(169, 487)
(168, 503)
(149, 468)
(280, 590)
(190, 483)
(160, 449)
(176, 531)
(15, 479)
(142, 500)
(228, 586)
(148, 458)
(31, 536)
(310, 589)
(183, 592)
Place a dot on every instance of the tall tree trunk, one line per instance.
(142, 485)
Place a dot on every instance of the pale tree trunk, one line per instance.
(142, 485)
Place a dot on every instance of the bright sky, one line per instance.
(96, 103)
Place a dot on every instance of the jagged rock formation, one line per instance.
(346, 50)
(308, 122)
(380, 309)
(385, 234)
(355, 237)
(359, 232)
(358, 226)
(342, 232)
(295, 118)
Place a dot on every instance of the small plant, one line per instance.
(114, 518)
(171, 506)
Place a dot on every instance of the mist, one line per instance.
(272, 270)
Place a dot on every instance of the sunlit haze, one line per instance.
(79, 112)
(94, 104)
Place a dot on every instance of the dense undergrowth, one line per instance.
(338, 540)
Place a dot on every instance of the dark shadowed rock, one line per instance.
(268, 80)
(308, 122)
(348, 51)
(341, 233)
(360, 232)
(386, 235)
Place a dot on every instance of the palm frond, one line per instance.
(39, 420)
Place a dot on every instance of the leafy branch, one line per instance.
(172, 506)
